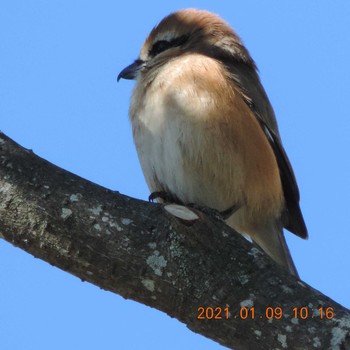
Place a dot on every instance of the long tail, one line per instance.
(273, 242)
(270, 239)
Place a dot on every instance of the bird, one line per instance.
(205, 131)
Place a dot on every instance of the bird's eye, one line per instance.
(163, 45)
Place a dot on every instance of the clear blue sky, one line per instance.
(59, 96)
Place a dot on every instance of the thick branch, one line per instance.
(139, 251)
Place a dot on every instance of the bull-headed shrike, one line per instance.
(206, 133)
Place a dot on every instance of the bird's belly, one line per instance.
(174, 159)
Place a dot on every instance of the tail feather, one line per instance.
(273, 242)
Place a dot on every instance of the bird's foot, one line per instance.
(164, 196)
(225, 214)
(221, 215)
(206, 210)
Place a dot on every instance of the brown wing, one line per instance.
(246, 77)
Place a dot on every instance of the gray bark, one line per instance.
(141, 252)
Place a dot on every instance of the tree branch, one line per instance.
(141, 252)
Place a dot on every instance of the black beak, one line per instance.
(130, 72)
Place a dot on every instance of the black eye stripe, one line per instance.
(159, 47)
(163, 45)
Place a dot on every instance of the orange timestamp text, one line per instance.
(243, 313)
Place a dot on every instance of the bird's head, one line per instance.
(183, 32)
